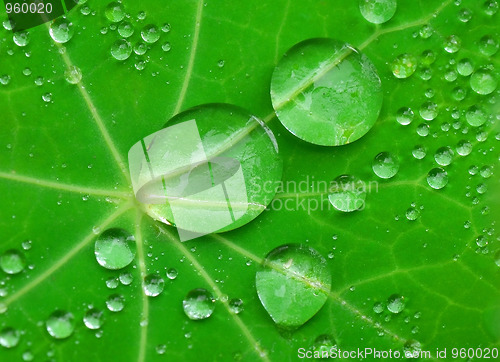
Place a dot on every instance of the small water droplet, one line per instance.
(198, 304)
(21, 39)
(428, 111)
(112, 283)
(150, 34)
(9, 337)
(465, 67)
(47, 97)
(60, 324)
(121, 49)
(475, 116)
(115, 248)
(404, 65)
(443, 156)
(483, 81)
(426, 31)
(412, 349)
(172, 273)
(378, 307)
(437, 178)
(419, 152)
(125, 29)
(166, 47)
(488, 45)
(140, 48)
(12, 261)
(464, 148)
(385, 165)
(377, 11)
(236, 305)
(115, 302)
(412, 213)
(93, 318)
(395, 303)
(114, 12)
(486, 171)
(28, 356)
(153, 285)
(405, 115)
(126, 278)
(423, 130)
(61, 30)
(161, 349)
(464, 15)
(348, 193)
(452, 44)
(73, 75)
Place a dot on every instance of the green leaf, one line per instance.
(429, 253)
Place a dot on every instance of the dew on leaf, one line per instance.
(404, 116)
(458, 93)
(326, 92)
(115, 248)
(323, 345)
(377, 11)
(112, 283)
(161, 349)
(198, 304)
(385, 165)
(428, 111)
(61, 30)
(172, 273)
(395, 303)
(412, 213)
(481, 241)
(437, 178)
(426, 31)
(26, 244)
(475, 116)
(114, 12)
(464, 15)
(464, 147)
(488, 45)
(126, 278)
(236, 305)
(348, 193)
(60, 324)
(451, 75)
(423, 130)
(452, 44)
(9, 337)
(497, 258)
(153, 285)
(483, 81)
(443, 156)
(115, 302)
(140, 48)
(378, 307)
(73, 75)
(166, 47)
(121, 49)
(425, 73)
(166, 28)
(465, 67)
(47, 97)
(428, 57)
(412, 349)
(12, 261)
(93, 318)
(21, 39)
(125, 29)
(490, 7)
(150, 33)
(293, 284)
(486, 171)
(28, 356)
(404, 65)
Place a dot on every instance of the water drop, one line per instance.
(452, 44)
(26, 244)
(236, 305)
(47, 97)
(483, 81)
(458, 93)
(126, 278)
(451, 75)
(60, 324)
(166, 47)
(28, 356)
(428, 57)
(395, 303)
(326, 92)
(497, 258)
(423, 130)
(475, 116)
(121, 49)
(161, 349)
(140, 48)
(293, 284)
(153, 285)
(473, 170)
(385, 165)
(412, 213)
(428, 111)
(114, 12)
(93, 318)
(464, 148)
(73, 74)
(348, 193)
(141, 15)
(443, 156)
(125, 29)
(140, 64)
(112, 283)
(464, 15)
(437, 178)
(115, 248)
(9, 337)
(21, 39)
(486, 171)
(115, 302)
(198, 304)
(419, 152)
(166, 28)
(378, 307)
(465, 67)
(150, 34)
(12, 261)
(405, 115)
(488, 45)
(221, 63)
(172, 273)
(490, 7)
(404, 65)
(61, 30)
(426, 31)
(377, 11)
(323, 345)
(412, 349)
